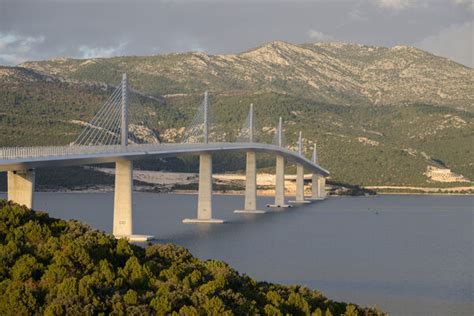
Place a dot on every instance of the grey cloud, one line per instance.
(319, 36)
(16, 48)
(94, 52)
(396, 4)
(455, 42)
(468, 4)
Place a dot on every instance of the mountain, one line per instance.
(380, 116)
(336, 73)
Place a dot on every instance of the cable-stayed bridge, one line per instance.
(115, 136)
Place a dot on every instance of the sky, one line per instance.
(46, 29)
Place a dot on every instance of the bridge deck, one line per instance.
(40, 157)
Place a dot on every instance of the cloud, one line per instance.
(399, 5)
(454, 42)
(98, 52)
(396, 4)
(319, 36)
(15, 48)
(469, 4)
(357, 15)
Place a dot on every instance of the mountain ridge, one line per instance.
(339, 73)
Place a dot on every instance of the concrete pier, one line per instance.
(299, 198)
(279, 183)
(204, 209)
(123, 199)
(250, 204)
(315, 192)
(317, 185)
(123, 202)
(21, 187)
(322, 187)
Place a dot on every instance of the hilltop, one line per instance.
(381, 116)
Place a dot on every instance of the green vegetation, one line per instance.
(363, 145)
(55, 267)
(40, 110)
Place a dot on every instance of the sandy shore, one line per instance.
(167, 180)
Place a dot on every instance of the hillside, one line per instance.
(393, 139)
(39, 109)
(359, 145)
(56, 267)
(336, 73)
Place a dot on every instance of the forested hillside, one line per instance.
(55, 267)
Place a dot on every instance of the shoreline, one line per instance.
(234, 184)
(242, 192)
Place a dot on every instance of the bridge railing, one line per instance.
(12, 153)
(8, 153)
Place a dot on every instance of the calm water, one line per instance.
(408, 255)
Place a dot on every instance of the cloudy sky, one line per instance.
(44, 29)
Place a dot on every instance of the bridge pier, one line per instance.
(315, 192)
(123, 199)
(250, 204)
(322, 187)
(21, 187)
(318, 182)
(279, 183)
(123, 202)
(315, 188)
(318, 187)
(299, 196)
(204, 209)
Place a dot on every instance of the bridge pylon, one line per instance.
(124, 112)
(123, 191)
(204, 208)
(121, 121)
(279, 171)
(299, 196)
(250, 203)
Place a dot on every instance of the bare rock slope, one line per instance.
(331, 72)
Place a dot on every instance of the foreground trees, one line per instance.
(58, 267)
